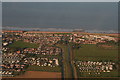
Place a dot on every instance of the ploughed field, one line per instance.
(39, 74)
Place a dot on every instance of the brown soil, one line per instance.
(38, 74)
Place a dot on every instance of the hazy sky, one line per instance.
(0, 16)
(60, 0)
(91, 15)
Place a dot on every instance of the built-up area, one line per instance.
(22, 49)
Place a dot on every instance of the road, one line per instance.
(71, 59)
(68, 68)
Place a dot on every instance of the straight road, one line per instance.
(69, 70)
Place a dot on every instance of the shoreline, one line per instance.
(88, 33)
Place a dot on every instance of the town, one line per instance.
(23, 49)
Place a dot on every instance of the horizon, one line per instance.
(57, 30)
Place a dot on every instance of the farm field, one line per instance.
(92, 52)
(39, 74)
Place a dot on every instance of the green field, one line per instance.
(21, 44)
(94, 53)
(90, 52)
(44, 68)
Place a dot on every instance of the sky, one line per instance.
(97, 16)
(0, 16)
(60, 0)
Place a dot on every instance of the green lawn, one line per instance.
(21, 44)
(44, 68)
(92, 52)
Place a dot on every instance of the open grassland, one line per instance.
(94, 53)
(21, 44)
